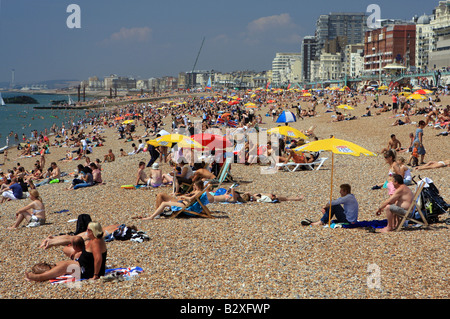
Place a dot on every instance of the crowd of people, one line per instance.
(188, 175)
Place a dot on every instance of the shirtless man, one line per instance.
(141, 175)
(56, 172)
(110, 157)
(156, 179)
(393, 144)
(397, 204)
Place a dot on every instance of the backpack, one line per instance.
(82, 223)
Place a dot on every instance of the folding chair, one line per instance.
(291, 167)
(410, 212)
(224, 174)
(197, 206)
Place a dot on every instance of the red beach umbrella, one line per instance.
(211, 140)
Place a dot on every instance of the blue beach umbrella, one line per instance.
(286, 117)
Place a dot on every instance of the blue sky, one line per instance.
(146, 38)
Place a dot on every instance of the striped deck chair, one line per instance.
(197, 206)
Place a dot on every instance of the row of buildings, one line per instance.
(184, 80)
(343, 46)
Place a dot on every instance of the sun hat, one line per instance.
(155, 166)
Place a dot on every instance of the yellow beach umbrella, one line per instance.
(416, 97)
(335, 146)
(307, 94)
(383, 87)
(127, 121)
(287, 131)
(344, 106)
(169, 139)
(250, 105)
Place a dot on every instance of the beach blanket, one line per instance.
(118, 274)
(64, 280)
(367, 223)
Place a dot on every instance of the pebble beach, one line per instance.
(250, 250)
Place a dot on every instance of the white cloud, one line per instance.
(277, 28)
(269, 23)
(130, 35)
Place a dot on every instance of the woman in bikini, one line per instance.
(34, 212)
(394, 168)
(434, 164)
(182, 201)
(91, 261)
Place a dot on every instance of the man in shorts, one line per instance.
(397, 204)
(13, 191)
(394, 103)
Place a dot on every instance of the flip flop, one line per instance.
(306, 222)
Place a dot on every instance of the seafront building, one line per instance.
(309, 48)
(389, 44)
(342, 47)
(286, 68)
(350, 27)
(439, 56)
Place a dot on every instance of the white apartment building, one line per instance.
(330, 66)
(356, 63)
(285, 67)
(439, 55)
(424, 41)
(353, 64)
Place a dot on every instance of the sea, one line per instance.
(23, 119)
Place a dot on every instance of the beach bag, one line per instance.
(82, 223)
(122, 233)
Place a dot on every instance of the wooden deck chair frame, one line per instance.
(224, 173)
(410, 210)
(206, 213)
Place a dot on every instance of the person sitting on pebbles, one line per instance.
(34, 212)
(345, 208)
(91, 261)
(110, 157)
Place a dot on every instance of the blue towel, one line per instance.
(195, 207)
(368, 223)
(220, 191)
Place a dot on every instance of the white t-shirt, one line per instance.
(189, 173)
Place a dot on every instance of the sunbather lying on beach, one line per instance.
(231, 196)
(433, 164)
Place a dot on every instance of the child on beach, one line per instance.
(414, 159)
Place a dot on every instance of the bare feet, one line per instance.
(319, 223)
(385, 230)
